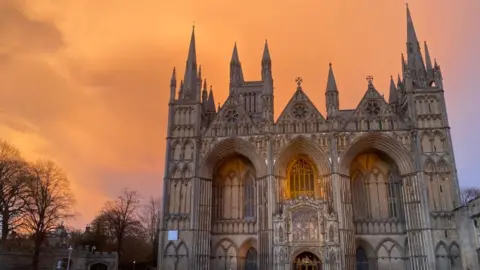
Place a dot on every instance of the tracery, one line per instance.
(233, 190)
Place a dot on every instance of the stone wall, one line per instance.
(81, 257)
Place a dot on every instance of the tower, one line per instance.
(374, 187)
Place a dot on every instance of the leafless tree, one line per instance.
(150, 218)
(121, 216)
(468, 194)
(12, 188)
(49, 203)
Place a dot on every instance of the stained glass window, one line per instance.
(302, 181)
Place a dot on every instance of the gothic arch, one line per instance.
(442, 260)
(443, 166)
(362, 243)
(299, 146)
(455, 256)
(245, 252)
(225, 255)
(302, 250)
(382, 143)
(430, 166)
(394, 245)
(227, 148)
(90, 265)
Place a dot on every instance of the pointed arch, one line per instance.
(430, 166)
(455, 256)
(391, 247)
(182, 249)
(426, 141)
(170, 249)
(189, 147)
(441, 256)
(177, 150)
(227, 148)
(302, 146)
(443, 166)
(382, 143)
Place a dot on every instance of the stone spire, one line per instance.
(393, 95)
(173, 85)
(428, 60)
(204, 92)
(415, 62)
(190, 78)
(331, 94)
(266, 63)
(210, 101)
(236, 73)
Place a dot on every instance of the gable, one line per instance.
(231, 120)
(300, 108)
(373, 107)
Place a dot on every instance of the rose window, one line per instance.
(372, 108)
(232, 116)
(300, 111)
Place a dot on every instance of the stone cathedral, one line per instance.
(368, 188)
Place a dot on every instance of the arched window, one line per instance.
(302, 181)
(251, 259)
(393, 197)
(249, 191)
(362, 260)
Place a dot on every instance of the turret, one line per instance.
(266, 64)
(415, 64)
(236, 73)
(173, 86)
(331, 94)
(393, 95)
(191, 79)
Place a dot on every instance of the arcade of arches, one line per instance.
(377, 209)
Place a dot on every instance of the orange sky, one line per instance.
(86, 82)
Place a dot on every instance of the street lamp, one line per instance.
(133, 265)
(70, 249)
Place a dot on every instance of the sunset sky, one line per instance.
(85, 82)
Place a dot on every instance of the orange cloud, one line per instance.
(85, 83)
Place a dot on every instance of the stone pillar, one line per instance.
(419, 236)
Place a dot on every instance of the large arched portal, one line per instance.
(233, 190)
(307, 261)
(376, 189)
(99, 266)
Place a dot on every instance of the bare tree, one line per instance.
(468, 194)
(12, 188)
(121, 218)
(150, 218)
(49, 203)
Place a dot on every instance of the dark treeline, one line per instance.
(36, 199)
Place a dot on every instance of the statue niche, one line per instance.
(233, 191)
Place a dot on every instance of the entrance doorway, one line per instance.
(307, 261)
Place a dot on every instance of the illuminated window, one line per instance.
(301, 177)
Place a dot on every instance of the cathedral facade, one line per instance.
(369, 188)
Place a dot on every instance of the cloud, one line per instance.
(21, 34)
